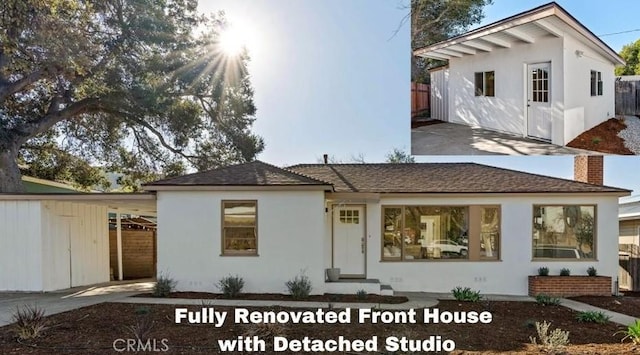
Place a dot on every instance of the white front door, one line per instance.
(539, 118)
(349, 240)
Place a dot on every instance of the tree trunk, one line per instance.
(10, 176)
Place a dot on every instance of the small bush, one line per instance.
(266, 331)
(142, 310)
(552, 342)
(632, 333)
(592, 317)
(466, 294)
(591, 271)
(231, 286)
(547, 300)
(164, 286)
(142, 329)
(543, 271)
(362, 294)
(565, 272)
(299, 287)
(30, 322)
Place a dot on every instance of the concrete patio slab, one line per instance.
(66, 300)
(456, 139)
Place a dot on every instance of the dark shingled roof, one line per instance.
(255, 173)
(440, 178)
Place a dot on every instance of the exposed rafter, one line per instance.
(521, 35)
(478, 45)
(549, 27)
(462, 49)
(496, 41)
(448, 52)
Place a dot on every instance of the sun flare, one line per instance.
(233, 41)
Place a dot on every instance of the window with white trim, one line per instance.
(485, 83)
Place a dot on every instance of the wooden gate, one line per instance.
(627, 97)
(420, 95)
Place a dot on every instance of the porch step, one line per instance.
(386, 290)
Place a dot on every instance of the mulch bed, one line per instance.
(603, 138)
(92, 330)
(628, 304)
(327, 297)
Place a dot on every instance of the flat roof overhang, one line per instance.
(130, 203)
(549, 20)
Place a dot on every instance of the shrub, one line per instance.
(591, 271)
(299, 287)
(231, 286)
(362, 294)
(142, 329)
(266, 331)
(552, 342)
(632, 333)
(164, 286)
(565, 272)
(30, 322)
(592, 317)
(466, 294)
(142, 310)
(543, 271)
(547, 300)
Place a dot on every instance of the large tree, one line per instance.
(135, 86)
(433, 21)
(631, 54)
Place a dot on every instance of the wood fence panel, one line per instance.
(420, 95)
(138, 253)
(627, 97)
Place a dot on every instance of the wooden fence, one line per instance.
(627, 97)
(420, 94)
(629, 275)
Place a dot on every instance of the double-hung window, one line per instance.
(239, 228)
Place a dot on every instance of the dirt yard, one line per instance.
(628, 304)
(603, 138)
(93, 330)
(348, 298)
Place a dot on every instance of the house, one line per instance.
(407, 227)
(629, 225)
(539, 74)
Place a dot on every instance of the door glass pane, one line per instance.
(545, 97)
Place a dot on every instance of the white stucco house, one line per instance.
(407, 227)
(539, 74)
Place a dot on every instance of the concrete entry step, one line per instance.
(352, 286)
(386, 290)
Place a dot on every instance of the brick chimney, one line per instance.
(589, 169)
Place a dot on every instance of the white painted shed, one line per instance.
(539, 74)
(56, 241)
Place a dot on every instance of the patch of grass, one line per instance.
(299, 287)
(553, 342)
(164, 286)
(565, 272)
(596, 140)
(591, 271)
(30, 322)
(466, 294)
(543, 271)
(632, 333)
(592, 317)
(231, 286)
(547, 300)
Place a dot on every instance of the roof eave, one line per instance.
(204, 187)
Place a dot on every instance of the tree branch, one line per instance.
(9, 88)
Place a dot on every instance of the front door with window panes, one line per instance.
(539, 118)
(349, 240)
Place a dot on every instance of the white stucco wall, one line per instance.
(507, 276)
(75, 244)
(291, 230)
(505, 111)
(596, 109)
(20, 246)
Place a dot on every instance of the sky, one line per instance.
(333, 76)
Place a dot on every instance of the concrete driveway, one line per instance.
(455, 139)
(66, 300)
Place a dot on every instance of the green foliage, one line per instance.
(547, 300)
(543, 271)
(135, 87)
(29, 321)
(362, 294)
(631, 55)
(632, 333)
(299, 287)
(591, 271)
(565, 272)
(593, 317)
(466, 294)
(397, 156)
(231, 286)
(142, 310)
(164, 286)
(552, 342)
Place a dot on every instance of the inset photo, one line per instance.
(539, 82)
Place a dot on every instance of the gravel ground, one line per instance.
(631, 134)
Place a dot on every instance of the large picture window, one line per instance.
(564, 232)
(413, 233)
(239, 228)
